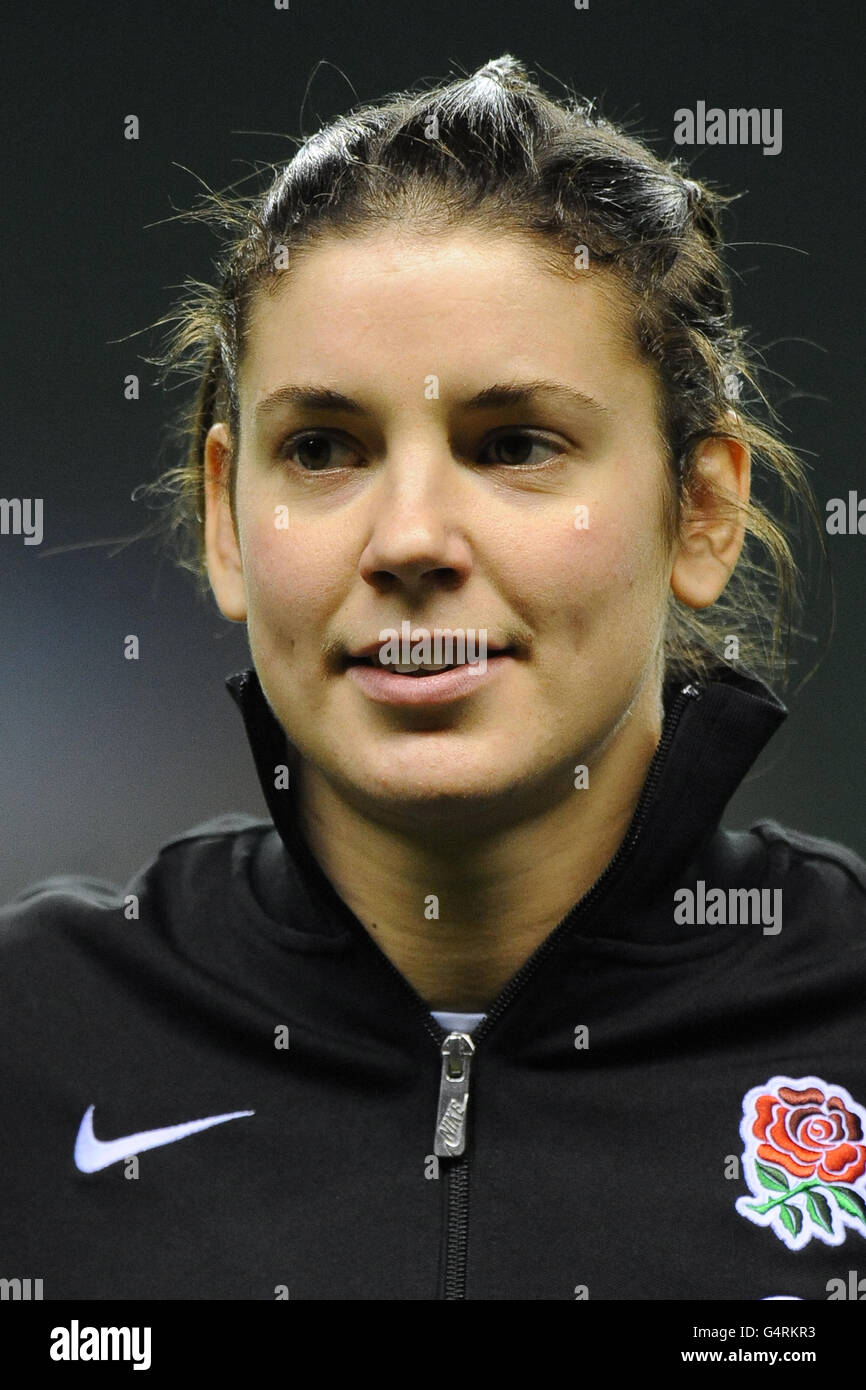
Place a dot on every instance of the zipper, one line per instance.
(458, 1049)
(451, 1115)
(450, 1142)
(457, 1229)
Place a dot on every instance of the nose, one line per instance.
(418, 534)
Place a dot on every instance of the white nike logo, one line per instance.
(91, 1153)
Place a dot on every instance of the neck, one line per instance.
(458, 909)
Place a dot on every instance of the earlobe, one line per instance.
(224, 565)
(712, 529)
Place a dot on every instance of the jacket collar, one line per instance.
(713, 731)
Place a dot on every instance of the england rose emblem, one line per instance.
(804, 1160)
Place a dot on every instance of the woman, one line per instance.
(495, 1009)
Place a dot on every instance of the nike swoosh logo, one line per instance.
(91, 1153)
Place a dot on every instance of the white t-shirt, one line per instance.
(457, 1023)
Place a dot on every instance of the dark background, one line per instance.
(102, 759)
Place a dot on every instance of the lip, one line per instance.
(440, 688)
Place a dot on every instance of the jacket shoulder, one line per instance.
(790, 849)
(70, 897)
(823, 886)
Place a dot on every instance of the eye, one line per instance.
(318, 451)
(515, 448)
(315, 451)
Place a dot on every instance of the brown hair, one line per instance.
(494, 150)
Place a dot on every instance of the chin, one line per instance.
(401, 782)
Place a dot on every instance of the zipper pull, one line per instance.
(450, 1138)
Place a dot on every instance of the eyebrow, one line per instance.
(500, 394)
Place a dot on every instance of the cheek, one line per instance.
(292, 577)
(624, 545)
(582, 574)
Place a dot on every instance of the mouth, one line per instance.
(424, 684)
(418, 670)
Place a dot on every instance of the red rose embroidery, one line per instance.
(810, 1136)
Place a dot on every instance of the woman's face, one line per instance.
(493, 464)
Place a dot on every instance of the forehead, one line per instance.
(394, 306)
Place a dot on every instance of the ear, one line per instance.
(224, 566)
(712, 528)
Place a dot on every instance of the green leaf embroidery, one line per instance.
(773, 1178)
(850, 1201)
(819, 1209)
(792, 1218)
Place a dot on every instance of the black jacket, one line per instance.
(658, 1108)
